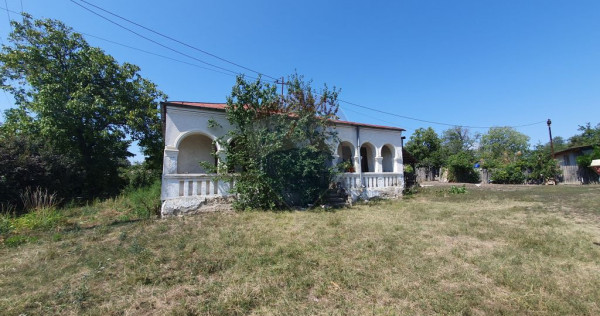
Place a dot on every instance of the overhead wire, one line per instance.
(175, 40)
(433, 122)
(159, 55)
(153, 41)
(8, 14)
(233, 73)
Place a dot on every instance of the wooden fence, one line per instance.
(427, 174)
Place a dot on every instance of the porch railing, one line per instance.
(206, 185)
(371, 180)
(200, 185)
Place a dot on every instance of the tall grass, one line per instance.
(39, 199)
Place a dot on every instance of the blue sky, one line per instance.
(474, 63)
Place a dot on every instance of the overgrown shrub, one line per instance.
(139, 175)
(280, 146)
(28, 163)
(145, 201)
(584, 161)
(460, 168)
(511, 173)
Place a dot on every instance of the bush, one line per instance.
(26, 163)
(145, 201)
(460, 168)
(139, 175)
(509, 174)
(279, 145)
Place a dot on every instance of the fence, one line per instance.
(427, 174)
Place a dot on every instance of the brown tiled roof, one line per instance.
(221, 107)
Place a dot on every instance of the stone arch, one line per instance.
(367, 157)
(195, 147)
(387, 161)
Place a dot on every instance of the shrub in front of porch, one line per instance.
(280, 144)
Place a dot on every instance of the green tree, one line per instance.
(584, 161)
(280, 146)
(457, 139)
(457, 148)
(426, 146)
(541, 165)
(79, 100)
(502, 146)
(589, 136)
(559, 143)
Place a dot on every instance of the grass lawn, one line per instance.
(492, 250)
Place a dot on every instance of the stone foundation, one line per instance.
(193, 205)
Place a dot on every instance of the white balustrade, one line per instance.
(199, 185)
(371, 180)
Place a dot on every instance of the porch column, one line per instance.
(221, 158)
(378, 164)
(169, 187)
(357, 168)
(170, 160)
(399, 161)
(398, 165)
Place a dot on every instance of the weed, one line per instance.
(457, 190)
(6, 223)
(144, 202)
(39, 219)
(38, 199)
(17, 240)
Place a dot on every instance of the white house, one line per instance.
(375, 152)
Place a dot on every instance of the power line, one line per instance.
(431, 122)
(153, 41)
(175, 40)
(8, 14)
(149, 52)
(233, 73)
(159, 55)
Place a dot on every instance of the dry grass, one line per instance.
(512, 250)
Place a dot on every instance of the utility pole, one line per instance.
(549, 122)
(282, 82)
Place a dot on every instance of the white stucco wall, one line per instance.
(180, 122)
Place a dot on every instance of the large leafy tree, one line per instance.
(79, 100)
(501, 146)
(425, 145)
(279, 145)
(588, 136)
(457, 146)
(457, 139)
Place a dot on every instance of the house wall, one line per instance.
(567, 159)
(377, 138)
